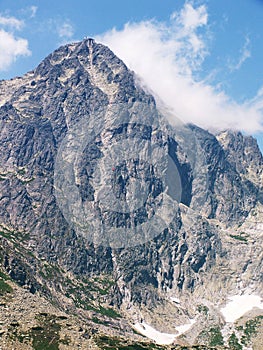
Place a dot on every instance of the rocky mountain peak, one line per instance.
(85, 149)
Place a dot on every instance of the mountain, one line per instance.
(116, 224)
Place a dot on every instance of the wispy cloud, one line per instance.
(11, 22)
(257, 101)
(61, 28)
(167, 56)
(65, 30)
(245, 53)
(29, 12)
(33, 11)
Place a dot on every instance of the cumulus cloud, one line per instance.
(191, 17)
(11, 47)
(168, 55)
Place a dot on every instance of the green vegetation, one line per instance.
(211, 337)
(233, 342)
(108, 312)
(13, 236)
(84, 291)
(98, 321)
(5, 287)
(46, 335)
(242, 236)
(21, 171)
(43, 336)
(27, 181)
(216, 337)
(113, 343)
(101, 284)
(202, 309)
(3, 276)
(3, 176)
(49, 271)
(250, 329)
(19, 174)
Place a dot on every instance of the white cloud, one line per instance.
(11, 48)
(244, 55)
(65, 30)
(167, 57)
(11, 22)
(257, 101)
(29, 11)
(33, 11)
(190, 17)
(62, 28)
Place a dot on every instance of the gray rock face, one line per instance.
(220, 180)
(244, 154)
(230, 198)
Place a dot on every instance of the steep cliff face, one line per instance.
(76, 129)
(244, 154)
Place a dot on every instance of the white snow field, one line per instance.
(151, 333)
(236, 307)
(162, 338)
(239, 305)
(185, 327)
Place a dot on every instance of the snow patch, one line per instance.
(176, 300)
(162, 338)
(185, 327)
(239, 305)
(151, 333)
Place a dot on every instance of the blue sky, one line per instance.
(203, 58)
